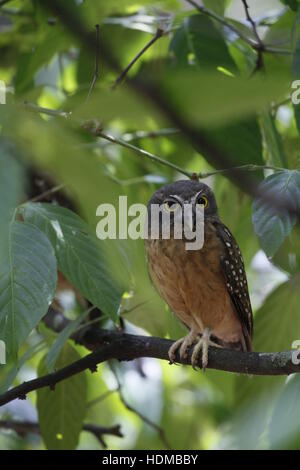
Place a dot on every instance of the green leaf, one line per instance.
(270, 225)
(180, 47)
(210, 99)
(240, 142)
(12, 182)
(27, 284)
(288, 255)
(280, 312)
(293, 4)
(275, 151)
(218, 6)
(79, 256)
(62, 411)
(200, 37)
(60, 341)
(280, 34)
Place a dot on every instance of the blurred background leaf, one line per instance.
(62, 411)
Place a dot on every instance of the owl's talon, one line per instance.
(203, 344)
(182, 344)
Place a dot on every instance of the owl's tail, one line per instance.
(247, 346)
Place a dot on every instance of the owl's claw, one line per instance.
(203, 343)
(182, 344)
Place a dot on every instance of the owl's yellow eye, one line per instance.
(202, 201)
(171, 206)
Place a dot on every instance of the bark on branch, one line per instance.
(126, 347)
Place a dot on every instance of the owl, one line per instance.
(206, 288)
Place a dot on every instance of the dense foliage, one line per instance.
(212, 92)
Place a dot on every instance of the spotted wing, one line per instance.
(235, 275)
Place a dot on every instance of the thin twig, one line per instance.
(96, 71)
(47, 193)
(100, 431)
(260, 47)
(136, 136)
(125, 142)
(25, 427)
(159, 33)
(144, 153)
(235, 30)
(98, 132)
(102, 397)
(252, 22)
(221, 20)
(197, 138)
(140, 135)
(144, 418)
(249, 167)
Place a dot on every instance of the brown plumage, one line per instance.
(206, 289)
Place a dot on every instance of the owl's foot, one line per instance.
(203, 344)
(182, 344)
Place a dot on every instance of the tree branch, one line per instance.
(89, 127)
(151, 92)
(159, 33)
(125, 142)
(126, 347)
(199, 140)
(143, 153)
(25, 427)
(260, 47)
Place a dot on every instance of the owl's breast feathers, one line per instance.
(201, 287)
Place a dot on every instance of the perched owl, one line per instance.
(206, 289)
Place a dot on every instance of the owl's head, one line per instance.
(174, 195)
